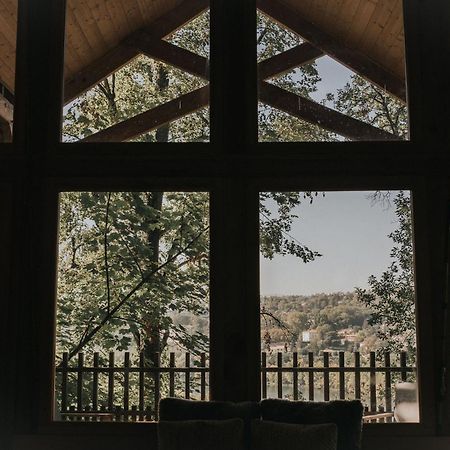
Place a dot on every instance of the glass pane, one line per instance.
(134, 70)
(8, 31)
(337, 290)
(329, 73)
(132, 302)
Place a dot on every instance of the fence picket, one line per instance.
(96, 364)
(157, 375)
(387, 384)
(187, 379)
(80, 381)
(264, 374)
(311, 376)
(111, 382)
(341, 376)
(203, 377)
(64, 375)
(92, 409)
(126, 382)
(403, 366)
(172, 375)
(141, 383)
(357, 357)
(295, 375)
(373, 384)
(326, 377)
(280, 375)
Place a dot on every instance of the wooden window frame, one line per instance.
(233, 167)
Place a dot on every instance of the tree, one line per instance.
(366, 102)
(391, 297)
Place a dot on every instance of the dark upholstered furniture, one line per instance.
(347, 415)
(334, 425)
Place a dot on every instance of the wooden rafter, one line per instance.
(149, 42)
(123, 53)
(98, 71)
(171, 54)
(320, 115)
(290, 59)
(354, 60)
(154, 118)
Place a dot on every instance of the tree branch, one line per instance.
(88, 337)
(105, 246)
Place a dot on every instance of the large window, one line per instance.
(136, 72)
(132, 305)
(160, 148)
(338, 300)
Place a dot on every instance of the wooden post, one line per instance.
(341, 376)
(387, 383)
(373, 384)
(95, 383)
(172, 375)
(326, 376)
(111, 382)
(280, 375)
(64, 374)
(141, 383)
(187, 379)
(357, 376)
(403, 366)
(311, 376)
(295, 375)
(126, 385)
(264, 374)
(80, 382)
(157, 375)
(203, 377)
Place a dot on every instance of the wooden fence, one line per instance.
(123, 392)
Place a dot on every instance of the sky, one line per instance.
(351, 234)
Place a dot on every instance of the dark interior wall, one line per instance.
(234, 168)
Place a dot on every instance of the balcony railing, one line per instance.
(121, 390)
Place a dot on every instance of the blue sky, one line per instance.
(351, 234)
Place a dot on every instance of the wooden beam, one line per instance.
(320, 115)
(354, 60)
(98, 71)
(123, 53)
(171, 54)
(154, 118)
(290, 59)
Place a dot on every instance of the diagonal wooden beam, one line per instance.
(320, 115)
(171, 54)
(123, 53)
(154, 118)
(354, 60)
(98, 71)
(290, 59)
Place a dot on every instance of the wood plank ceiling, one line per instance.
(94, 27)
(372, 27)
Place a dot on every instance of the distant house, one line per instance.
(309, 335)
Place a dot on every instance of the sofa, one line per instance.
(267, 425)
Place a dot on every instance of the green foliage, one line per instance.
(108, 243)
(366, 102)
(391, 297)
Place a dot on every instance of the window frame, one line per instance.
(234, 166)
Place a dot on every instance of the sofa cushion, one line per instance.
(347, 415)
(201, 435)
(267, 435)
(179, 409)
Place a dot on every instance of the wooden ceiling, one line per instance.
(372, 27)
(94, 27)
